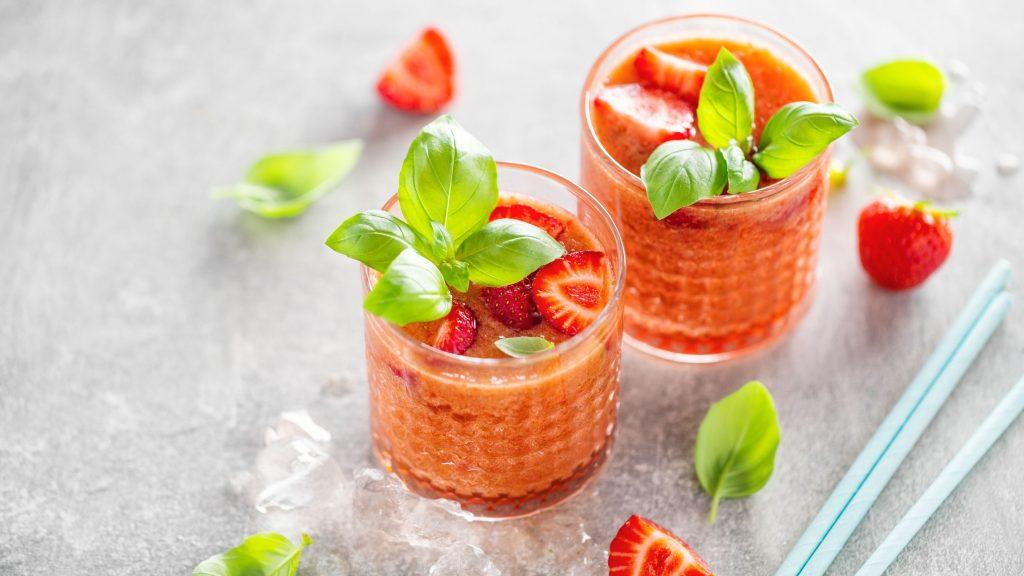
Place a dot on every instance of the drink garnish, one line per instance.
(447, 190)
(523, 346)
(678, 175)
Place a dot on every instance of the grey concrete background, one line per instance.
(149, 333)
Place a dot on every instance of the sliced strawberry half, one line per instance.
(422, 78)
(677, 75)
(512, 305)
(457, 331)
(643, 548)
(633, 120)
(571, 291)
(553, 226)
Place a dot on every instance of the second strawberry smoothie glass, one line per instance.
(502, 436)
(730, 273)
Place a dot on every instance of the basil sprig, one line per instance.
(736, 444)
(447, 190)
(680, 173)
(262, 554)
(911, 89)
(284, 184)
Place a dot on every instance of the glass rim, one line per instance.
(366, 274)
(725, 199)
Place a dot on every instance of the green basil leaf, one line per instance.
(374, 237)
(447, 177)
(442, 247)
(263, 554)
(741, 173)
(456, 274)
(523, 346)
(725, 111)
(410, 290)
(680, 173)
(505, 251)
(736, 444)
(284, 184)
(911, 89)
(797, 133)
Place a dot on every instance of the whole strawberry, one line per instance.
(902, 243)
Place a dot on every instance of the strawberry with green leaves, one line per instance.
(903, 243)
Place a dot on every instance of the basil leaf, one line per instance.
(725, 111)
(263, 554)
(506, 250)
(410, 290)
(741, 173)
(374, 238)
(284, 184)
(447, 177)
(911, 89)
(680, 173)
(523, 346)
(797, 133)
(736, 444)
(456, 274)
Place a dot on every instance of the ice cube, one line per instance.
(929, 169)
(294, 472)
(296, 423)
(464, 560)
(1007, 164)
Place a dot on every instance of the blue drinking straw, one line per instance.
(978, 318)
(984, 437)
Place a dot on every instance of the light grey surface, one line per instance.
(149, 333)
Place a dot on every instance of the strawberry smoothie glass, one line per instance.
(502, 436)
(730, 273)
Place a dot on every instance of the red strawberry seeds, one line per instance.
(643, 548)
(512, 305)
(457, 331)
(901, 243)
(571, 291)
(422, 78)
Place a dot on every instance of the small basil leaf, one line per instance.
(456, 274)
(523, 346)
(725, 111)
(374, 238)
(911, 89)
(262, 554)
(797, 133)
(736, 444)
(741, 173)
(410, 290)
(680, 173)
(284, 184)
(505, 251)
(442, 247)
(447, 177)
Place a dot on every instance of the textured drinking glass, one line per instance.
(508, 436)
(727, 274)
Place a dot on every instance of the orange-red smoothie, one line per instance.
(726, 274)
(504, 436)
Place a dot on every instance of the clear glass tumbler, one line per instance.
(731, 273)
(503, 437)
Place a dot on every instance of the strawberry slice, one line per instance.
(633, 120)
(663, 70)
(421, 79)
(553, 226)
(570, 292)
(457, 331)
(512, 305)
(642, 548)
